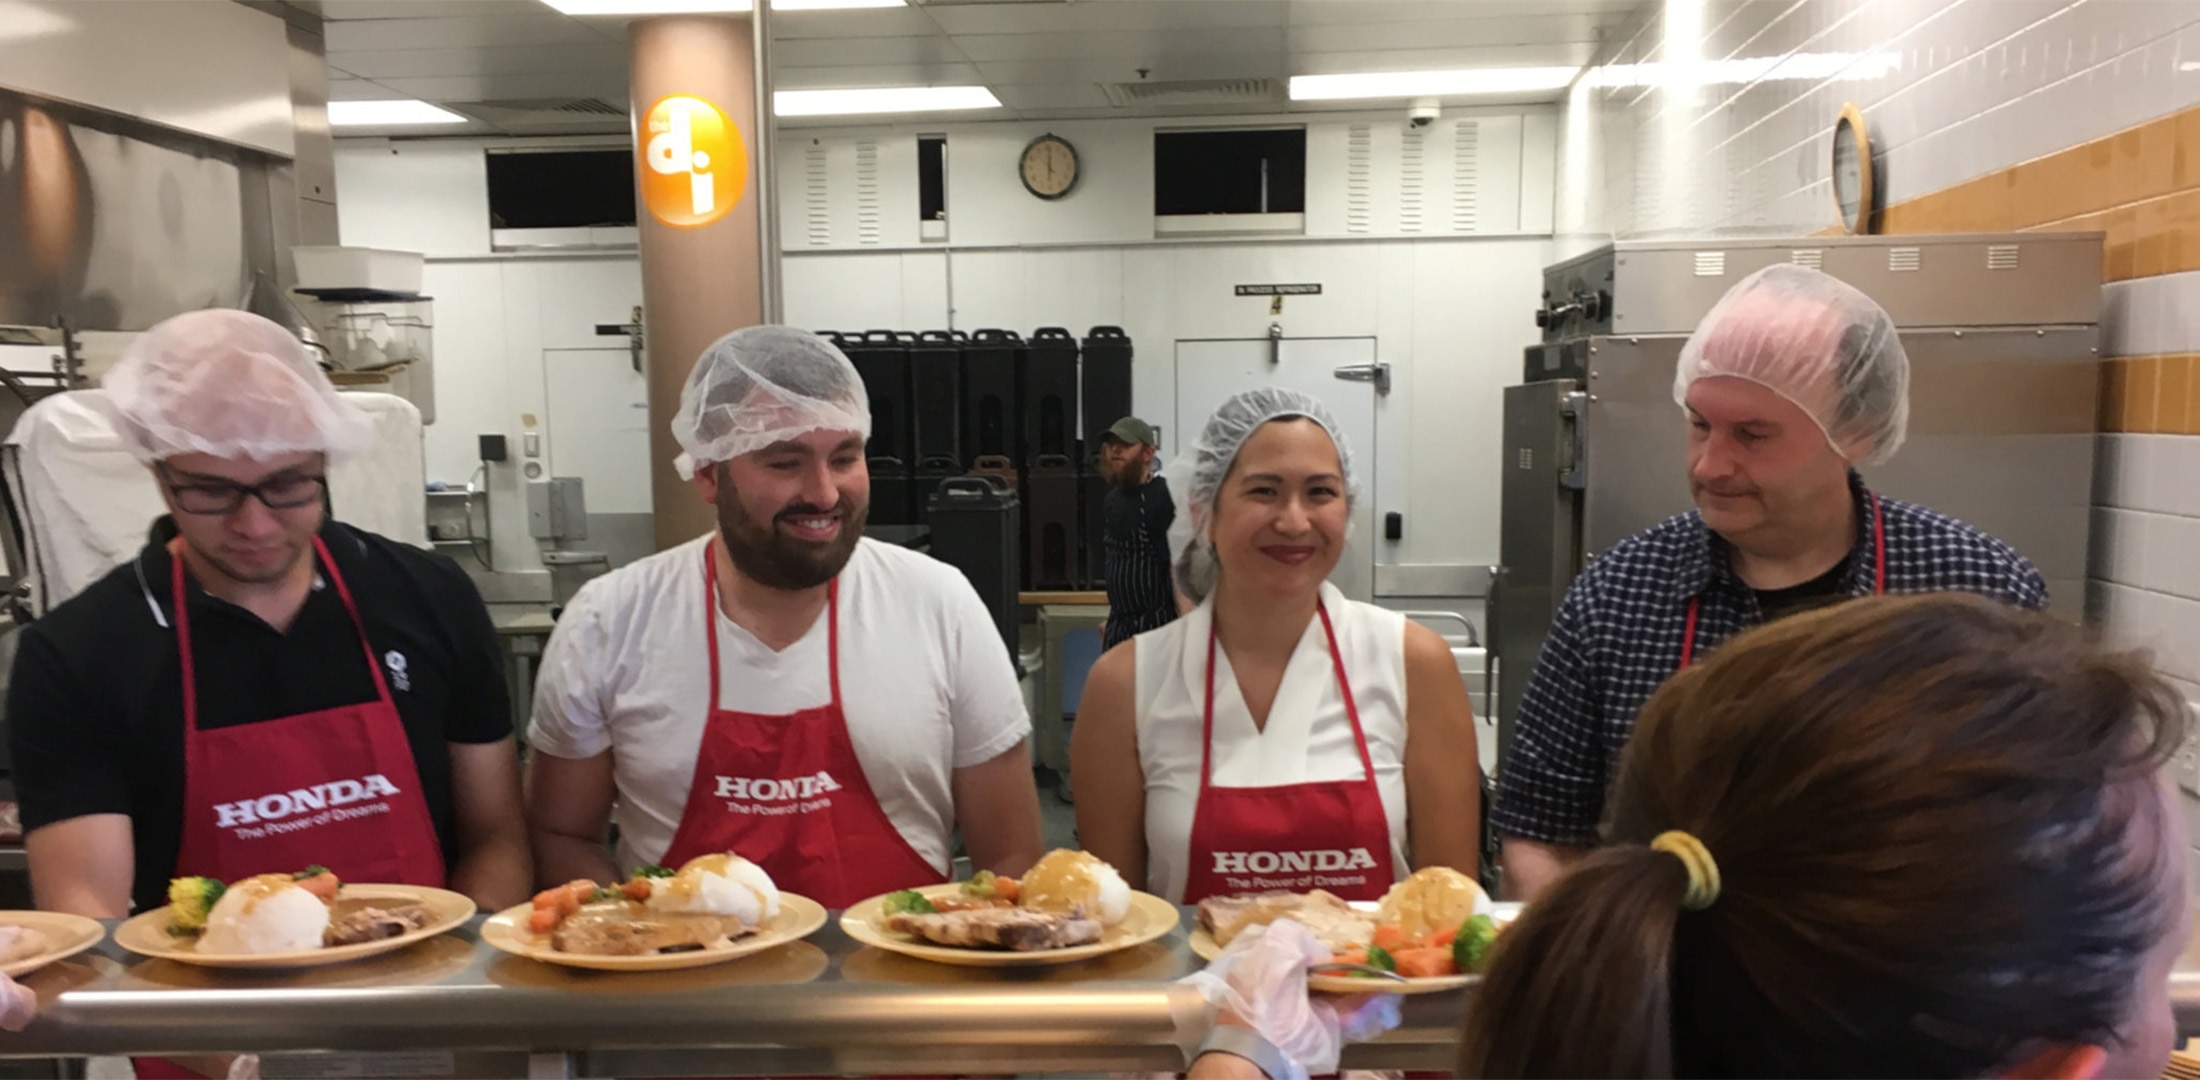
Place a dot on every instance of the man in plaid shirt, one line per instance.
(1791, 382)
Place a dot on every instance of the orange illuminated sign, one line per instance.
(694, 167)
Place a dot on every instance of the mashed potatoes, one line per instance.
(1433, 900)
(266, 914)
(724, 885)
(1066, 880)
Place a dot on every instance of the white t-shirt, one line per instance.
(925, 682)
(1308, 737)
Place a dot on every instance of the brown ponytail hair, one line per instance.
(1919, 809)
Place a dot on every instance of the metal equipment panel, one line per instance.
(1540, 533)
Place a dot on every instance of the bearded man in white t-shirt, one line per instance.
(829, 707)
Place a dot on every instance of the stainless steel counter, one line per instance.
(825, 1006)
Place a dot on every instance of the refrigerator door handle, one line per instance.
(1377, 373)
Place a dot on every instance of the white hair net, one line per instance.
(1196, 474)
(231, 384)
(1816, 341)
(762, 385)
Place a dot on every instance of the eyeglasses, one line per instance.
(286, 492)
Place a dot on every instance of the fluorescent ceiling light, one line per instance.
(885, 99)
(381, 113)
(1409, 84)
(693, 7)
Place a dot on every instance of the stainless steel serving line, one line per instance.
(452, 1006)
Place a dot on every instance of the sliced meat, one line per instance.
(1013, 929)
(1332, 921)
(371, 923)
(624, 928)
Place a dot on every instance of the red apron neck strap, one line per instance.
(1344, 686)
(183, 629)
(710, 624)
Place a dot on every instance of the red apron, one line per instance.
(336, 787)
(1330, 834)
(787, 791)
(1879, 584)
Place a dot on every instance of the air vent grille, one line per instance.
(1904, 259)
(1411, 180)
(867, 215)
(1194, 92)
(816, 196)
(1711, 264)
(1811, 258)
(1359, 154)
(1466, 175)
(2001, 256)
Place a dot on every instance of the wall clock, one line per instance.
(1049, 166)
(1852, 171)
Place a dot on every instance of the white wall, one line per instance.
(209, 67)
(1450, 307)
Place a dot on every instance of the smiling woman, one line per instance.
(1266, 741)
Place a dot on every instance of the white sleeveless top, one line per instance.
(1308, 737)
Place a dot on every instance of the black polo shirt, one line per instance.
(1135, 536)
(95, 705)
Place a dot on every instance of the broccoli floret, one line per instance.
(651, 871)
(980, 885)
(1472, 946)
(190, 899)
(314, 871)
(909, 901)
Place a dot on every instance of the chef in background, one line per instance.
(1791, 383)
(1279, 735)
(262, 687)
(830, 707)
(1135, 534)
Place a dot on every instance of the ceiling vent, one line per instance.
(553, 111)
(1194, 92)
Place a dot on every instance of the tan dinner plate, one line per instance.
(66, 936)
(1149, 918)
(1203, 946)
(799, 917)
(147, 934)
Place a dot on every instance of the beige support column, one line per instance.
(698, 162)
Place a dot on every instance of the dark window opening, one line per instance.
(561, 189)
(1230, 172)
(932, 178)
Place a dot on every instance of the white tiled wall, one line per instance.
(1717, 116)
(2146, 550)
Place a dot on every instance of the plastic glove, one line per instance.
(17, 1004)
(1260, 982)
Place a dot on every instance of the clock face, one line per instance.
(1049, 167)
(1852, 181)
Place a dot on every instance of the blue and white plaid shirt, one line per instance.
(1619, 633)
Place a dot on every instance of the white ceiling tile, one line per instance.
(1554, 54)
(548, 28)
(425, 63)
(1105, 15)
(846, 52)
(1131, 45)
(512, 87)
(1032, 96)
(859, 22)
(1321, 12)
(1108, 70)
(1450, 33)
(357, 90)
(838, 78)
(346, 10)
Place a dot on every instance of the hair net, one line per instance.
(1195, 475)
(231, 384)
(1816, 341)
(762, 385)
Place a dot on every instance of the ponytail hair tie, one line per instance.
(1703, 873)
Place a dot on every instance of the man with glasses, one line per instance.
(262, 687)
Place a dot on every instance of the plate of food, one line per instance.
(713, 909)
(1434, 929)
(306, 919)
(1070, 906)
(30, 940)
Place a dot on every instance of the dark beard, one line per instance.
(776, 561)
(1128, 478)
